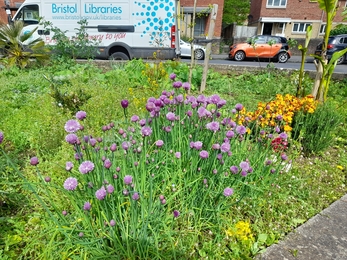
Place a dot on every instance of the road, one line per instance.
(294, 64)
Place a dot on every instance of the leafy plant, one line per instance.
(79, 46)
(18, 48)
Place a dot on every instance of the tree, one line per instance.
(235, 11)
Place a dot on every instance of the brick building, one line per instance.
(290, 18)
(12, 5)
(202, 19)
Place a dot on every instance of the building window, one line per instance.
(300, 27)
(322, 29)
(200, 25)
(276, 3)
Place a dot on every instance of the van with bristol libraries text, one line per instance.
(126, 29)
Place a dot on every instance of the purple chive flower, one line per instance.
(71, 139)
(72, 126)
(238, 107)
(283, 135)
(177, 84)
(86, 166)
(34, 161)
(243, 173)
(230, 134)
(189, 113)
(215, 147)
(179, 99)
(161, 197)
(68, 166)
(204, 154)
(87, 206)
(244, 166)
(170, 116)
(128, 179)
(202, 112)
(172, 76)
(134, 118)
(213, 126)
(1, 137)
(178, 155)
(234, 169)
(92, 142)
(100, 194)
(124, 103)
(159, 143)
(110, 188)
(176, 213)
(113, 147)
(80, 115)
(125, 145)
(80, 234)
(150, 106)
(279, 117)
(277, 129)
(64, 212)
(225, 147)
(240, 129)
(146, 131)
(186, 86)
(284, 157)
(70, 183)
(112, 222)
(47, 179)
(268, 162)
(228, 192)
(135, 196)
(197, 145)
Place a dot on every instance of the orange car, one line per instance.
(262, 47)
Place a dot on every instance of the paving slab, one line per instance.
(323, 237)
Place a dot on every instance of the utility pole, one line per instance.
(208, 46)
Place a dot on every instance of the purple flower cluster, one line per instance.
(70, 183)
(86, 166)
(72, 126)
(101, 193)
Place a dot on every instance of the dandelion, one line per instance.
(87, 206)
(68, 166)
(128, 179)
(80, 115)
(70, 183)
(176, 213)
(100, 194)
(124, 103)
(86, 166)
(34, 161)
(72, 126)
(136, 196)
(204, 154)
(228, 192)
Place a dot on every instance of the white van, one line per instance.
(126, 29)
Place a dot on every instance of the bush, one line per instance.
(315, 131)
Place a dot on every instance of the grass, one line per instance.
(35, 109)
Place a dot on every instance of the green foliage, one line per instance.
(339, 29)
(235, 11)
(315, 131)
(80, 46)
(300, 91)
(18, 48)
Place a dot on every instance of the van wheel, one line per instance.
(199, 54)
(119, 56)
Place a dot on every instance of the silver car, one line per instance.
(199, 51)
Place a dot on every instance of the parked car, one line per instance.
(199, 51)
(335, 43)
(262, 47)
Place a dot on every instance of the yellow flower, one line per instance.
(339, 167)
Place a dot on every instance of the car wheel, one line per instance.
(283, 57)
(119, 56)
(239, 56)
(199, 54)
(341, 59)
